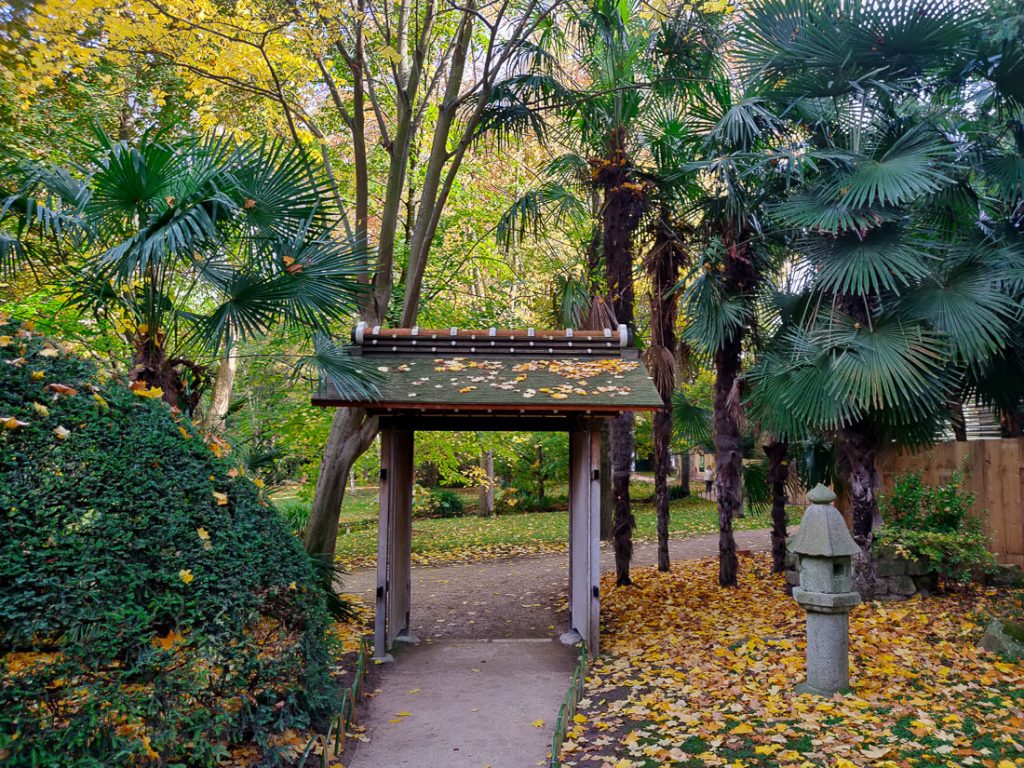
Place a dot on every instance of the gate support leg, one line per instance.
(584, 538)
(394, 540)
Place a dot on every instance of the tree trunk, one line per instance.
(684, 474)
(778, 475)
(740, 280)
(540, 473)
(1012, 422)
(663, 263)
(351, 434)
(623, 522)
(487, 489)
(423, 232)
(858, 449)
(223, 384)
(728, 457)
(151, 366)
(662, 437)
(622, 207)
(958, 421)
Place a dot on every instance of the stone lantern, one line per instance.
(825, 550)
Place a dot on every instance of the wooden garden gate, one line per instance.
(494, 380)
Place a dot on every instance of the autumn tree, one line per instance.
(371, 80)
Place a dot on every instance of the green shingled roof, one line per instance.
(509, 383)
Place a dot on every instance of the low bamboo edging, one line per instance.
(568, 709)
(333, 742)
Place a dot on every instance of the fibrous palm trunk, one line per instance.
(728, 457)
(778, 475)
(858, 448)
(663, 263)
(623, 522)
(622, 207)
(152, 367)
(684, 474)
(662, 429)
(739, 278)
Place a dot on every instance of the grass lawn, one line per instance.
(437, 540)
(695, 675)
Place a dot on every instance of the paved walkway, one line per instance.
(489, 665)
(465, 704)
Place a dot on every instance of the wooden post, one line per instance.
(381, 641)
(401, 559)
(584, 537)
(394, 541)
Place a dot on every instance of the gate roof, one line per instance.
(496, 372)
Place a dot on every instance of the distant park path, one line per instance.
(518, 597)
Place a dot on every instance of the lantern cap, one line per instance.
(823, 532)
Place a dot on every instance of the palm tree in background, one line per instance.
(994, 129)
(743, 162)
(190, 247)
(629, 67)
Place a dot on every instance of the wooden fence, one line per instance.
(993, 471)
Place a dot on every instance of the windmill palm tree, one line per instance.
(626, 65)
(994, 128)
(743, 162)
(905, 289)
(190, 246)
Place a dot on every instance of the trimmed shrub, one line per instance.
(935, 524)
(154, 608)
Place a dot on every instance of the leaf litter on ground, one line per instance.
(692, 674)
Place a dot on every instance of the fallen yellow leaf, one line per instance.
(142, 389)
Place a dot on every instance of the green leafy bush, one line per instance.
(937, 524)
(153, 605)
(534, 465)
(437, 502)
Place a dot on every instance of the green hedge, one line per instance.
(153, 605)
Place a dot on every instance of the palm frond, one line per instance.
(690, 422)
(883, 259)
(347, 374)
(712, 316)
(891, 365)
(571, 301)
(552, 203)
(915, 164)
(966, 302)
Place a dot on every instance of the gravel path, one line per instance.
(521, 597)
